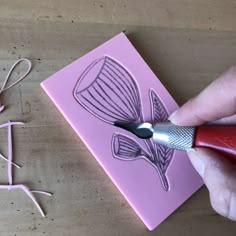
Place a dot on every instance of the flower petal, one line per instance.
(108, 91)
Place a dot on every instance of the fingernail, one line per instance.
(171, 117)
(197, 161)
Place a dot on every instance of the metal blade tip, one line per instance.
(143, 130)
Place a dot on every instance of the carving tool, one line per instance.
(220, 138)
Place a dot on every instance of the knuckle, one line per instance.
(228, 78)
(224, 203)
(232, 207)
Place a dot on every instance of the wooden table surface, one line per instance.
(187, 44)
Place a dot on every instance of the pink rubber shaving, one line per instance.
(4, 88)
(13, 163)
(9, 166)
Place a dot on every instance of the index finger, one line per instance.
(216, 101)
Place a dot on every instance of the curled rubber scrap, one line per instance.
(4, 87)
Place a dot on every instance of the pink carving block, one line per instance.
(113, 83)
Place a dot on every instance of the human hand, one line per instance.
(216, 103)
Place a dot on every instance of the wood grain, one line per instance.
(186, 43)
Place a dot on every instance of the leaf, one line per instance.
(164, 155)
(109, 92)
(160, 114)
(125, 148)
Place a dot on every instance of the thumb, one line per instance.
(219, 176)
(216, 101)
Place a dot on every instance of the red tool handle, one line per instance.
(219, 138)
